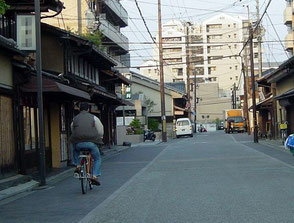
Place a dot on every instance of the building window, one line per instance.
(210, 69)
(86, 70)
(236, 78)
(231, 78)
(229, 46)
(236, 67)
(235, 46)
(72, 64)
(30, 123)
(229, 36)
(96, 76)
(178, 80)
(229, 25)
(149, 71)
(255, 55)
(235, 25)
(90, 72)
(77, 67)
(235, 35)
(230, 68)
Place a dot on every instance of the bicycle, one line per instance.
(86, 171)
(283, 129)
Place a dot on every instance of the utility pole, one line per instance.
(259, 40)
(246, 79)
(246, 111)
(195, 102)
(162, 94)
(40, 93)
(253, 85)
(80, 30)
(188, 70)
(234, 101)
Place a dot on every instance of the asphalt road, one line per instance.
(212, 177)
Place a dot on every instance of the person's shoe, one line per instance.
(95, 181)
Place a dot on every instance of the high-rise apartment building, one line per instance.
(107, 16)
(208, 51)
(213, 48)
(289, 22)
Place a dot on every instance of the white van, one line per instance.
(183, 127)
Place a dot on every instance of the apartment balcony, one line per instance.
(115, 38)
(170, 55)
(289, 41)
(288, 15)
(116, 10)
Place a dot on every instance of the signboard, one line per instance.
(179, 113)
(128, 120)
(26, 32)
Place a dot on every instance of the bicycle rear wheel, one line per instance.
(83, 178)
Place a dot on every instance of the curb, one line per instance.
(275, 147)
(9, 192)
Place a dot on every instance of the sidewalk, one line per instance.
(59, 174)
(276, 144)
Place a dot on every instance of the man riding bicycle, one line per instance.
(87, 132)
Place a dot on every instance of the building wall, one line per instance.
(7, 150)
(210, 103)
(154, 94)
(219, 29)
(52, 58)
(6, 71)
(283, 86)
(68, 19)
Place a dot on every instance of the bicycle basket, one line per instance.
(283, 126)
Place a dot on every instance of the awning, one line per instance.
(286, 95)
(264, 104)
(116, 76)
(54, 87)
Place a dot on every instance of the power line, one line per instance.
(277, 34)
(256, 27)
(145, 24)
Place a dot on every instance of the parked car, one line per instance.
(184, 127)
(220, 126)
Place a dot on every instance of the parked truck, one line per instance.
(234, 120)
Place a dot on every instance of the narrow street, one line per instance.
(212, 177)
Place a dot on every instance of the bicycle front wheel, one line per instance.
(83, 178)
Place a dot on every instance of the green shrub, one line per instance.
(3, 7)
(136, 124)
(139, 131)
(153, 124)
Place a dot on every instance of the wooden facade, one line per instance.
(7, 151)
(74, 70)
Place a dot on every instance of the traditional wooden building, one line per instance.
(74, 70)
(277, 104)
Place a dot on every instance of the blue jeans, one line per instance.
(92, 147)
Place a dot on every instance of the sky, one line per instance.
(198, 11)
